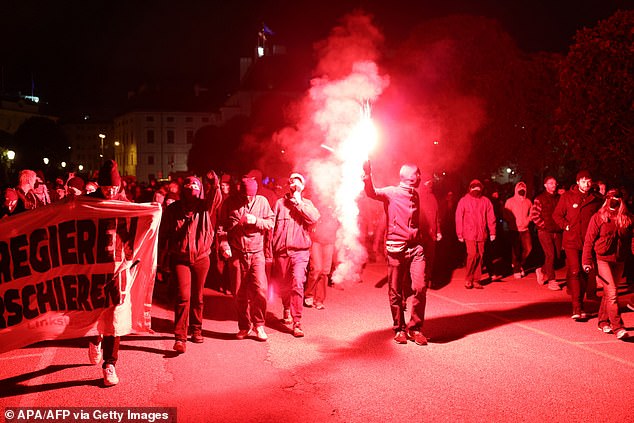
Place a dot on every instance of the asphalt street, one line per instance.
(507, 353)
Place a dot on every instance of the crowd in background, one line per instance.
(495, 231)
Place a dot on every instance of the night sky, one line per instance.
(89, 54)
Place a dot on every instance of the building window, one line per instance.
(149, 118)
(170, 119)
(189, 119)
(150, 136)
(150, 160)
(190, 136)
(170, 136)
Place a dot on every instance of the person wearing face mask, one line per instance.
(573, 213)
(516, 214)
(291, 242)
(246, 217)
(106, 346)
(475, 222)
(185, 238)
(609, 238)
(404, 251)
(548, 232)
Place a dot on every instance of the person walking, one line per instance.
(548, 232)
(475, 221)
(609, 239)
(185, 238)
(405, 255)
(106, 345)
(573, 213)
(294, 217)
(517, 215)
(246, 218)
(322, 250)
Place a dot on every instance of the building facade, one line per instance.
(154, 144)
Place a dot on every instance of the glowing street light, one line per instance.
(80, 167)
(45, 160)
(102, 136)
(63, 164)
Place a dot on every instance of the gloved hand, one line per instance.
(226, 253)
(587, 268)
(367, 168)
(461, 239)
(438, 236)
(492, 238)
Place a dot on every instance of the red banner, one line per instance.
(77, 268)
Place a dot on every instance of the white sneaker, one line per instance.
(260, 334)
(110, 376)
(540, 276)
(622, 334)
(517, 275)
(95, 353)
(308, 302)
(554, 285)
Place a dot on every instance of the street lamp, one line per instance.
(102, 136)
(45, 160)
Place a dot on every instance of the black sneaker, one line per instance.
(400, 337)
(197, 338)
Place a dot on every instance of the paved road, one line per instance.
(508, 353)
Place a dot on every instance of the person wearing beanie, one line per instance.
(609, 241)
(185, 239)
(245, 218)
(517, 215)
(573, 213)
(429, 222)
(404, 249)
(75, 186)
(9, 203)
(294, 216)
(106, 347)
(475, 222)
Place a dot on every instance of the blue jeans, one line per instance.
(290, 270)
(609, 277)
(249, 282)
(410, 262)
(551, 244)
(320, 266)
(188, 310)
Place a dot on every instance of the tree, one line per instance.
(596, 115)
(465, 99)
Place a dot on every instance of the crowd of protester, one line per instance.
(250, 236)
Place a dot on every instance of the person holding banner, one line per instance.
(106, 347)
(185, 239)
